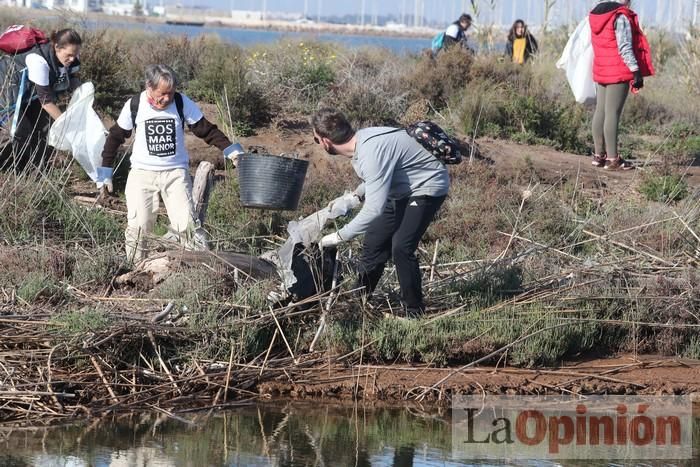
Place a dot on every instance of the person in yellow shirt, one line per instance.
(521, 44)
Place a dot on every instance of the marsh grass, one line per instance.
(559, 256)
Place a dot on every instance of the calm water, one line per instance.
(269, 434)
(247, 37)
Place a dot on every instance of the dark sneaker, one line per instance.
(598, 161)
(415, 313)
(618, 164)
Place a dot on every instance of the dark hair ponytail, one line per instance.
(65, 37)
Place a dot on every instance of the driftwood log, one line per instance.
(201, 189)
(156, 268)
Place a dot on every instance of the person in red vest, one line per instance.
(621, 60)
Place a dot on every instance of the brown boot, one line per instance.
(598, 161)
(618, 163)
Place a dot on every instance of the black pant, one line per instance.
(396, 234)
(30, 142)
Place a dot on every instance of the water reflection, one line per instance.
(270, 434)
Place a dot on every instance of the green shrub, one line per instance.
(102, 62)
(38, 286)
(692, 349)
(369, 88)
(78, 322)
(222, 80)
(36, 207)
(182, 54)
(664, 188)
(438, 79)
(294, 76)
(478, 109)
(97, 268)
(235, 227)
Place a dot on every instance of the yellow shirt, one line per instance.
(519, 50)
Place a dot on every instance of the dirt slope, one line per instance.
(549, 165)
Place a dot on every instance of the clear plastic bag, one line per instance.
(308, 231)
(80, 131)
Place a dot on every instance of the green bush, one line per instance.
(294, 76)
(222, 80)
(34, 208)
(235, 227)
(78, 322)
(664, 188)
(369, 88)
(182, 54)
(102, 62)
(38, 286)
(437, 80)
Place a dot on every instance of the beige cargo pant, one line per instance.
(142, 202)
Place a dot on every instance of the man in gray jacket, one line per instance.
(403, 186)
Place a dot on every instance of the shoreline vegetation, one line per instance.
(535, 259)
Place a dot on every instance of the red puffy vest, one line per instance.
(608, 66)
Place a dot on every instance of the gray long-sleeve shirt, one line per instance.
(392, 166)
(623, 36)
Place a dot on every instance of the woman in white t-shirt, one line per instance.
(456, 33)
(51, 72)
(159, 160)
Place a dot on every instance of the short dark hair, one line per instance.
(465, 17)
(332, 124)
(65, 37)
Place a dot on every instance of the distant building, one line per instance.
(253, 15)
(118, 8)
(81, 6)
(17, 3)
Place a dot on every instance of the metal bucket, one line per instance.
(270, 182)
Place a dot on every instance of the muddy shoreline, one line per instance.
(625, 375)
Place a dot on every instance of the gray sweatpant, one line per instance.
(610, 99)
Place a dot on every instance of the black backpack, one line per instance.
(179, 105)
(435, 141)
(14, 81)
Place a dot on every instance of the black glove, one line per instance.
(638, 80)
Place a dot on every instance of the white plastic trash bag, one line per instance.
(80, 131)
(577, 61)
(307, 231)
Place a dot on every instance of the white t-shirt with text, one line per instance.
(159, 143)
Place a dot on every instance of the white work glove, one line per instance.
(345, 206)
(330, 240)
(104, 178)
(232, 152)
(279, 295)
